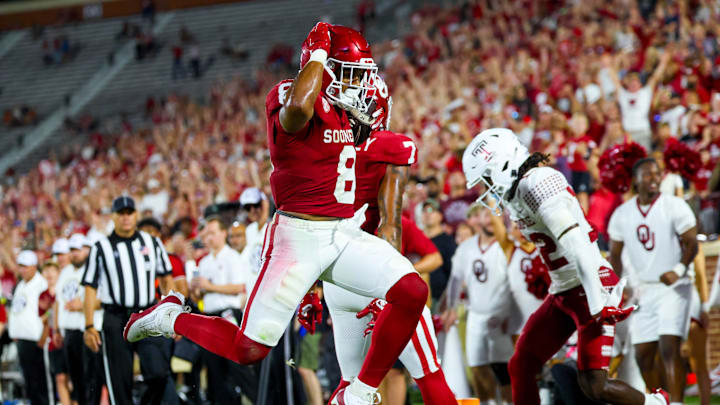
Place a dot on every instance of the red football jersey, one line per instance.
(415, 244)
(313, 169)
(373, 156)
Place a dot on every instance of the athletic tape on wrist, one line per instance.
(680, 269)
(318, 55)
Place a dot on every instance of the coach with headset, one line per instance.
(123, 267)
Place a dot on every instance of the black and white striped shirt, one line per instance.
(123, 270)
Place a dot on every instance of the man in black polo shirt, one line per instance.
(120, 272)
(432, 219)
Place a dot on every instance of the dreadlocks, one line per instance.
(531, 162)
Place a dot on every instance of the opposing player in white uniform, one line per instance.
(584, 295)
(480, 264)
(659, 233)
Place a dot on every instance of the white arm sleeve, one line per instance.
(558, 218)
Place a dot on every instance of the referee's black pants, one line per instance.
(94, 375)
(154, 354)
(32, 364)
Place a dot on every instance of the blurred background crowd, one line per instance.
(570, 78)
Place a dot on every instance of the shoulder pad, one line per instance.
(540, 184)
(390, 148)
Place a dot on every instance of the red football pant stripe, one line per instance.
(430, 341)
(269, 243)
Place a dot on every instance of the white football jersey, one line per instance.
(68, 288)
(520, 263)
(650, 233)
(484, 272)
(540, 190)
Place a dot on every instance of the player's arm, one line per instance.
(608, 63)
(714, 300)
(390, 199)
(500, 232)
(616, 248)
(429, 263)
(689, 247)
(297, 107)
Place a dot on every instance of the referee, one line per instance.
(120, 272)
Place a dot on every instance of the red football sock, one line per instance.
(434, 389)
(523, 369)
(394, 327)
(340, 386)
(220, 337)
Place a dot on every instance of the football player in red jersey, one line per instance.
(383, 158)
(315, 233)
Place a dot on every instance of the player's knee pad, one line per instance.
(411, 290)
(501, 372)
(249, 351)
(293, 285)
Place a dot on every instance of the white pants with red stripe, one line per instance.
(296, 253)
(419, 356)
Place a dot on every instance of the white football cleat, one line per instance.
(346, 397)
(158, 320)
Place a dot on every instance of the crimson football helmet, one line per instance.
(349, 70)
(377, 117)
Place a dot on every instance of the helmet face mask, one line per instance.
(377, 116)
(350, 87)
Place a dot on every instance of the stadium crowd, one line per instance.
(571, 79)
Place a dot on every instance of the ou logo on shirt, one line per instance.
(19, 303)
(480, 271)
(70, 290)
(646, 237)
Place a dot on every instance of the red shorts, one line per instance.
(548, 328)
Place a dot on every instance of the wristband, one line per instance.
(680, 269)
(91, 326)
(706, 307)
(318, 55)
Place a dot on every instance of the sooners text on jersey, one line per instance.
(313, 169)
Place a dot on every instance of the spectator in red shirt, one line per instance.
(178, 68)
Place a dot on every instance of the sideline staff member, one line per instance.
(123, 266)
(26, 328)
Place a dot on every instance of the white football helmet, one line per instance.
(494, 157)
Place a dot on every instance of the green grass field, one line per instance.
(696, 400)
